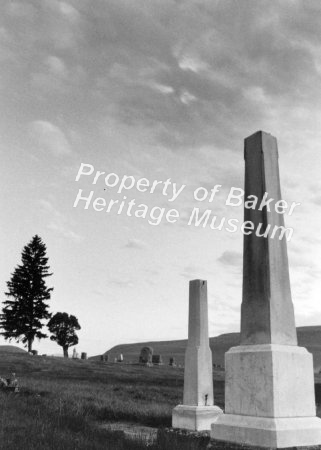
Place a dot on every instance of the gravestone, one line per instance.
(146, 356)
(269, 383)
(172, 361)
(157, 359)
(197, 411)
(83, 355)
(10, 384)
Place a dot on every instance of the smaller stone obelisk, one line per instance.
(198, 411)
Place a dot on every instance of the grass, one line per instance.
(62, 404)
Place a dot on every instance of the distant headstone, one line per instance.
(172, 361)
(157, 359)
(3, 382)
(13, 380)
(34, 352)
(104, 358)
(74, 354)
(146, 356)
(83, 355)
(10, 384)
(120, 358)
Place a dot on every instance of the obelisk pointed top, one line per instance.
(197, 281)
(260, 141)
(259, 132)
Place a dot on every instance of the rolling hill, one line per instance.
(11, 349)
(309, 337)
(15, 349)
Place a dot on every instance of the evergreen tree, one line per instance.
(63, 328)
(25, 306)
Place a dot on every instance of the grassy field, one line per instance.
(62, 404)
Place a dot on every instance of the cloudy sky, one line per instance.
(158, 90)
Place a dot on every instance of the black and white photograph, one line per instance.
(161, 211)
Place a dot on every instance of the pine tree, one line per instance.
(25, 306)
(63, 328)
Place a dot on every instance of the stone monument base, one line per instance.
(195, 418)
(268, 432)
(269, 398)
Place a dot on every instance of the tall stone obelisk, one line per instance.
(198, 411)
(269, 383)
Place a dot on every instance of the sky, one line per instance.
(154, 90)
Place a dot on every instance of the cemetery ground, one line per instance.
(68, 404)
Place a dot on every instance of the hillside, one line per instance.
(11, 349)
(309, 337)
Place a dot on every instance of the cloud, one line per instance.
(188, 73)
(135, 243)
(189, 63)
(317, 200)
(56, 66)
(57, 222)
(162, 88)
(187, 98)
(49, 208)
(193, 272)
(121, 283)
(209, 59)
(98, 292)
(231, 258)
(64, 232)
(52, 78)
(69, 12)
(18, 9)
(49, 138)
(152, 272)
(300, 258)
